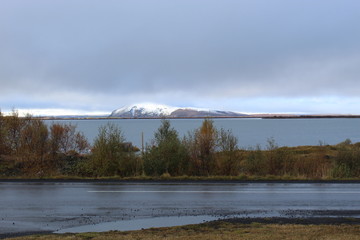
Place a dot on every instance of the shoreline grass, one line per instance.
(219, 230)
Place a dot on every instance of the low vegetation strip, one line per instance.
(31, 149)
(256, 229)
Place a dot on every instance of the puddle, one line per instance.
(138, 224)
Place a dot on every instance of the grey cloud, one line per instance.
(146, 49)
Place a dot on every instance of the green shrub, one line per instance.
(167, 154)
(112, 156)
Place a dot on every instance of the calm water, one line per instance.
(250, 132)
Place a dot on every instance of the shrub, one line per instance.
(111, 155)
(347, 161)
(255, 163)
(228, 159)
(202, 145)
(167, 153)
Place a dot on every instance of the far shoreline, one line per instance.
(260, 116)
(177, 181)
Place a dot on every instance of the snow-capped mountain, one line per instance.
(149, 110)
(143, 110)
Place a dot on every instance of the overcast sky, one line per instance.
(241, 55)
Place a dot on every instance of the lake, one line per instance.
(250, 132)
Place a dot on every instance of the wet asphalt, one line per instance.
(51, 206)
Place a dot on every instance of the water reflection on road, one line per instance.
(55, 206)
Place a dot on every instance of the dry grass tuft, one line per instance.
(220, 231)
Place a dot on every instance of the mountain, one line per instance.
(158, 111)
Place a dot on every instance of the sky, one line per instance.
(252, 56)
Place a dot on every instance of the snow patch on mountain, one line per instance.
(151, 110)
(144, 110)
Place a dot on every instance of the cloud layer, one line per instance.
(231, 54)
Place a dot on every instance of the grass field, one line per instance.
(220, 230)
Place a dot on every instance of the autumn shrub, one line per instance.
(37, 150)
(64, 138)
(33, 148)
(67, 147)
(13, 131)
(313, 163)
(228, 157)
(3, 138)
(287, 159)
(202, 146)
(273, 157)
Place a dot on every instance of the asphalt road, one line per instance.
(64, 206)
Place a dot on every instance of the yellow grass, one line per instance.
(221, 231)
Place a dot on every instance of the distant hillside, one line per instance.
(158, 111)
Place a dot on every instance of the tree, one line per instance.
(167, 153)
(14, 126)
(67, 146)
(202, 147)
(56, 133)
(3, 136)
(27, 144)
(111, 153)
(228, 163)
(33, 146)
(64, 139)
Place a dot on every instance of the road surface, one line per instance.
(76, 206)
